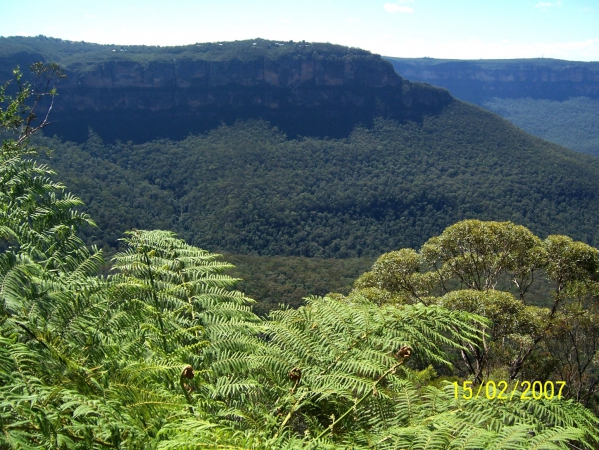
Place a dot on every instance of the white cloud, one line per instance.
(394, 7)
(544, 5)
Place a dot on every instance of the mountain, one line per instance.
(140, 93)
(553, 99)
(406, 161)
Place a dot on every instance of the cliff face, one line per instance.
(282, 73)
(477, 81)
(195, 85)
(305, 89)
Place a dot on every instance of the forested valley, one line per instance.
(471, 320)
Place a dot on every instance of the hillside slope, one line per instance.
(247, 188)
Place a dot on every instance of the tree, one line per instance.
(492, 269)
(20, 116)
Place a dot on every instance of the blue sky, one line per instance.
(461, 29)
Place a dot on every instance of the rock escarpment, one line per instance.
(140, 93)
(477, 81)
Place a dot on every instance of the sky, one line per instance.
(449, 29)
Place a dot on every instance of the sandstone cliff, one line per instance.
(139, 92)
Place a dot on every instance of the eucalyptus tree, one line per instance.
(498, 270)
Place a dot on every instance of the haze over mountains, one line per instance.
(553, 99)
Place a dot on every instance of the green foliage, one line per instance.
(36, 215)
(19, 119)
(477, 253)
(490, 269)
(136, 203)
(276, 280)
(246, 189)
(79, 363)
(328, 375)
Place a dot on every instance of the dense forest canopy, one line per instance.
(573, 123)
(257, 189)
(249, 189)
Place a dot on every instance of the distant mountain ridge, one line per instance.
(553, 99)
(477, 81)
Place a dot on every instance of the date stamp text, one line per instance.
(501, 390)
